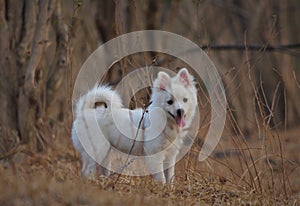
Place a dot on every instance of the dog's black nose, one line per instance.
(180, 112)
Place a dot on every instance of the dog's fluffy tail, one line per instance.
(102, 96)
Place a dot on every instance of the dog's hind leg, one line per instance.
(103, 169)
(88, 165)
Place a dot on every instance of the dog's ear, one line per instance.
(184, 77)
(163, 80)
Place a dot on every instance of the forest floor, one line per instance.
(52, 178)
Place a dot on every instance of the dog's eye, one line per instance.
(100, 104)
(170, 102)
(185, 99)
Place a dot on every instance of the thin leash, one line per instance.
(127, 163)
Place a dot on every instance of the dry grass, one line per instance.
(52, 178)
(261, 169)
(256, 169)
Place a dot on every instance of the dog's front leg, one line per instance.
(159, 177)
(154, 165)
(169, 174)
(169, 169)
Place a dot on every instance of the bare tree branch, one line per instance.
(278, 48)
(27, 34)
(38, 44)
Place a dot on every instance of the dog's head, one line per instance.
(177, 96)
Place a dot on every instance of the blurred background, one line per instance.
(255, 46)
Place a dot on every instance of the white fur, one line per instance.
(180, 89)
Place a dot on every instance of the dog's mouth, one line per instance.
(180, 120)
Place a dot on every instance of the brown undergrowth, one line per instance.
(52, 178)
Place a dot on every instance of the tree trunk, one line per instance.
(8, 72)
(29, 94)
(289, 34)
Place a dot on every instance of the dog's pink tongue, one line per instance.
(180, 121)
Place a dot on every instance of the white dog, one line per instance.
(164, 124)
